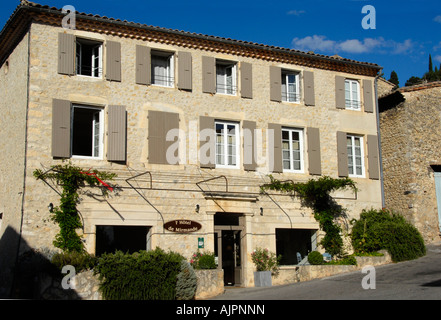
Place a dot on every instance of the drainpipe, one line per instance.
(383, 202)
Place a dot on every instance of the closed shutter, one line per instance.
(275, 84)
(207, 136)
(374, 167)
(314, 155)
(66, 54)
(117, 133)
(249, 150)
(208, 75)
(143, 74)
(308, 82)
(340, 92)
(275, 147)
(367, 94)
(159, 125)
(342, 154)
(113, 65)
(246, 77)
(184, 71)
(61, 128)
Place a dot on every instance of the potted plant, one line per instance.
(267, 264)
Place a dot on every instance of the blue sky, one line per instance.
(405, 33)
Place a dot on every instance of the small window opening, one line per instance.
(87, 131)
(89, 58)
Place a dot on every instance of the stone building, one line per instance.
(191, 124)
(410, 122)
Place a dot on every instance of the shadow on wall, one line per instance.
(32, 275)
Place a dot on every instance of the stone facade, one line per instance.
(150, 194)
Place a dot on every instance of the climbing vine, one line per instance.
(71, 179)
(315, 194)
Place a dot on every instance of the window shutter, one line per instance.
(314, 155)
(143, 58)
(159, 124)
(374, 167)
(340, 92)
(308, 82)
(61, 128)
(275, 84)
(184, 71)
(367, 94)
(66, 54)
(246, 77)
(117, 133)
(207, 136)
(275, 147)
(208, 75)
(342, 154)
(113, 65)
(249, 140)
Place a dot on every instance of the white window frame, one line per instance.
(290, 89)
(291, 152)
(352, 97)
(96, 58)
(226, 77)
(221, 142)
(95, 133)
(169, 80)
(352, 155)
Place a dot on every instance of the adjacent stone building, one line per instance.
(410, 122)
(191, 124)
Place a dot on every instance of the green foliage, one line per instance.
(383, 229)
(430, 76)
(315, 258)
(265, 260)
(186, 282)
(144, 275)
(80, 260)
(347, 260)
(394, 79)
(205, 260)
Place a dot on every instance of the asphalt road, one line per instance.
(418, 279)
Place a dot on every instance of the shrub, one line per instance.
(80, 260)
(315, 258)
(186, 282)
(203, 260)
(265, 260)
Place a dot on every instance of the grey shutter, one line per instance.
(367, 94)
(143, 60)
(374, 167)
(275, 146)
(340, 92)
(66, 54)
(113, 58)
(184, 71)
(208, 75)
(308, 83)
(246, 77)
(159, 125)
(207, 140)
(249, 150)
(275, 84)
(61, 128)
(342, 154)
(314, 155)
(117, 133)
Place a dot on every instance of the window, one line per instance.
(89, 58)
(227, 144)
(355, 155)
(225, 77)
(87, 132)
(292, 150)
(352, 95)
(290, 86)
(162, 68)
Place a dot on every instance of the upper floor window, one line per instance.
(355, 155)
(352, 95)
(292, 149)
(162, 68)
(87, 131)
(226, 82)
(290, 86)
(227, 144)
(89, 58)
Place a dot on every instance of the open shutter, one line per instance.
(184, 71)
(367, 94)
(113, 65)
(160, 123)
(117, 133)
(374, 167)
(61, 128)
(314, 155)
(342, 154)
(246, 77)
(249, 151)
(208, 75)
(143, 74)
(340, 92)
(207, 136)
(275, 84)
(66, 53)
(275, 147)
(308, 83)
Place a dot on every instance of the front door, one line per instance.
(438, 195)
(229, 255)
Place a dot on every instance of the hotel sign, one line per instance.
(183, 226)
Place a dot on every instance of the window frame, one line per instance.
(352, 156)
(227, 87)
(354, 103)
(95, 44)
(225, 144)
(285, 82)
(170, 68)
(291, 159)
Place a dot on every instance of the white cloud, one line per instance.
(437, 19)
(437, 58)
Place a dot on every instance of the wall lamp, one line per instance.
(197, 208)
(51, 207)
(261, 211)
